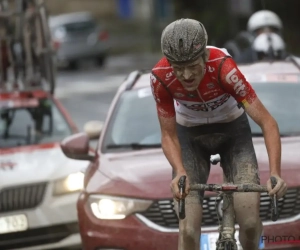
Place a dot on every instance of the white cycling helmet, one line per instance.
(264, 18)
(269, 44)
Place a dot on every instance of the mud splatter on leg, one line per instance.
(190, 227)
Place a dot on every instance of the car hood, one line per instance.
(34, 164)
(133, 174)
(147, 174)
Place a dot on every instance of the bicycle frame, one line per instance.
(226, 239)
(28, 45)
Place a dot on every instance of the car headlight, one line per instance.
(72, 183)
(116, 208)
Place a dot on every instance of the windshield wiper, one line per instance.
(134, 146)
(258, 134)
(281, 135)
(289, 134)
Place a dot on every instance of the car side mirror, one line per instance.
(77, 147)
(93, 129)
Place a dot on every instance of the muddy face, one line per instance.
(190, 74)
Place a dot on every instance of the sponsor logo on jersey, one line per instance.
(179, 94)
(207, 106)
(168, 76)
(239, 86)
(210, 85)
(152, 79)
(211, 69)
(190, 95)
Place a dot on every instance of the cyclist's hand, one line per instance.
(280, 188)
(175, 187)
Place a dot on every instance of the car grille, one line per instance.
(37, 236)
(21, 197)
(161, 212)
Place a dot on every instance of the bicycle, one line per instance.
(27, 40)
(226, 240)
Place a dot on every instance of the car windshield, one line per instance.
(31, 124)
(80, 26)
(134, 123)
(282, 101)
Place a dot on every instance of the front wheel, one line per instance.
(227, 245)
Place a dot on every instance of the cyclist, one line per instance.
(266, 46)
(202, 102)
(269, 46)
(262, 21)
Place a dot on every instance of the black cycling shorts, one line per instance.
(232, 141)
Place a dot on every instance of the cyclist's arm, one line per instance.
(269, 126)
(235, 83)
(167, 120)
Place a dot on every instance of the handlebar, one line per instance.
(274, 204)
(181, 204)
(228, 188)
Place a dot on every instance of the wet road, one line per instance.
(88, 92)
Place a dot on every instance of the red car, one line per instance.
(127, 203)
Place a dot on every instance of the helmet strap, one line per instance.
(205, 55)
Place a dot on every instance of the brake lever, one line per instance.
(181, 204)
(274, 203)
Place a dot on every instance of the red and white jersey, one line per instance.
(214, 101)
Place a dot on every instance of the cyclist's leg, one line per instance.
(240, 166)
(196, 163)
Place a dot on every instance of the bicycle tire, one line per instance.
(48, 66)
(5, 59)
(19, 38)
(50, 72)
(229, 245)
(27, 32)
(47, 35)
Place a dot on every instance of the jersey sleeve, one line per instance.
(235, 83)
(164, 100)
